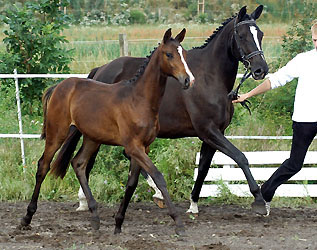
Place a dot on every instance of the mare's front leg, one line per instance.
(132, 183)
(206, 154)
(79, 164)
(145, 162)
(217, 140)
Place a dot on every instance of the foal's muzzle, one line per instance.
(186, 82)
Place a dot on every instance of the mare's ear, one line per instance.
(180, 36)
(167, 35)
(257, 13)
(242, 13)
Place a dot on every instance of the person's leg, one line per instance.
(303, 134)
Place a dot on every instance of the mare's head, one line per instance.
(173, 59)
(248, 42)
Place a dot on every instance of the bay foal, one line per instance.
(125, 114)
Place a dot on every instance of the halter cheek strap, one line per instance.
(244, 58)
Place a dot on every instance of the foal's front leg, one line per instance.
(79, 164)
(145, 162)
(132, 183)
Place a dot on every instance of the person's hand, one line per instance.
(241, 98)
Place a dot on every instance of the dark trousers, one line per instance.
(303, 135)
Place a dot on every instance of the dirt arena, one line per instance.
(57, 225)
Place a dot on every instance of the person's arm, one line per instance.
(260, 89)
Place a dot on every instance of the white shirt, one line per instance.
(303, 66)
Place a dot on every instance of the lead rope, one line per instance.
(233, 95)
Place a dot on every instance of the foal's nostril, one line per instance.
(186, 83)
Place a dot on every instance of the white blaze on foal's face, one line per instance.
(254, 32)
(189, 73)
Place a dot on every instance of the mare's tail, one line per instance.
(45, 98)
(92, 73)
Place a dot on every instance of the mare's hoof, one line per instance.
(259, 207)
(25, 222)
(95, 223)
(117, 230)
(24, 228)
(159, 202)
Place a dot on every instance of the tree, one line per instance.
(34, 45)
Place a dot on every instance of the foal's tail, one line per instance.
(64, 156)
(46, 97)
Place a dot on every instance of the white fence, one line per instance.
(225, 169)
(22, 136)
(16, 77)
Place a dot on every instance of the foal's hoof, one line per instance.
(159, 202)
(180, 231)
(95, 223)
(259, 207)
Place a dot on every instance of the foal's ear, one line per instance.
(257, 13)
(242, 13)
(180, 36)
(167, 35)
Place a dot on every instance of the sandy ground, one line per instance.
(57, 225)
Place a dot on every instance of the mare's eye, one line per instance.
(169, 55)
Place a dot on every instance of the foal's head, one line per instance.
(248, 38)
(173, 59)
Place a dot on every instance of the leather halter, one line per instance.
(245, 58)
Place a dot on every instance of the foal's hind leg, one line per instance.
(145, 162)
(79, 164)
(130, 188)
(43, 167)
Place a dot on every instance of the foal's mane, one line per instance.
(142, 68)
(213, 35)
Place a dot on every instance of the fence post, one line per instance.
(17, 95)
(123, 42)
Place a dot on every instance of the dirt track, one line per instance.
(56, 225)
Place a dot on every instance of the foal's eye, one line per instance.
(169, 55)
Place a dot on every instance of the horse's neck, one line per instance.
(218, 56)
(150, 86)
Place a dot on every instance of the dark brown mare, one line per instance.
(205, 110)
(125, 113)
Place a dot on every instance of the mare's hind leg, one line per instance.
(206, 154)
(142, 159)
(132, 183)
(216, 139)
(43, 167)
(79, 164)
(83, 205)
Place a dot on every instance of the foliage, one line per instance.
(137, 17)
(33, 45)
(297, 40)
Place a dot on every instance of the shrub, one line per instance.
(137, 17)
(33, 45)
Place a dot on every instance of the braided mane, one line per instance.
(209, 39)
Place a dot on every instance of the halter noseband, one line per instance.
(245, 58)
